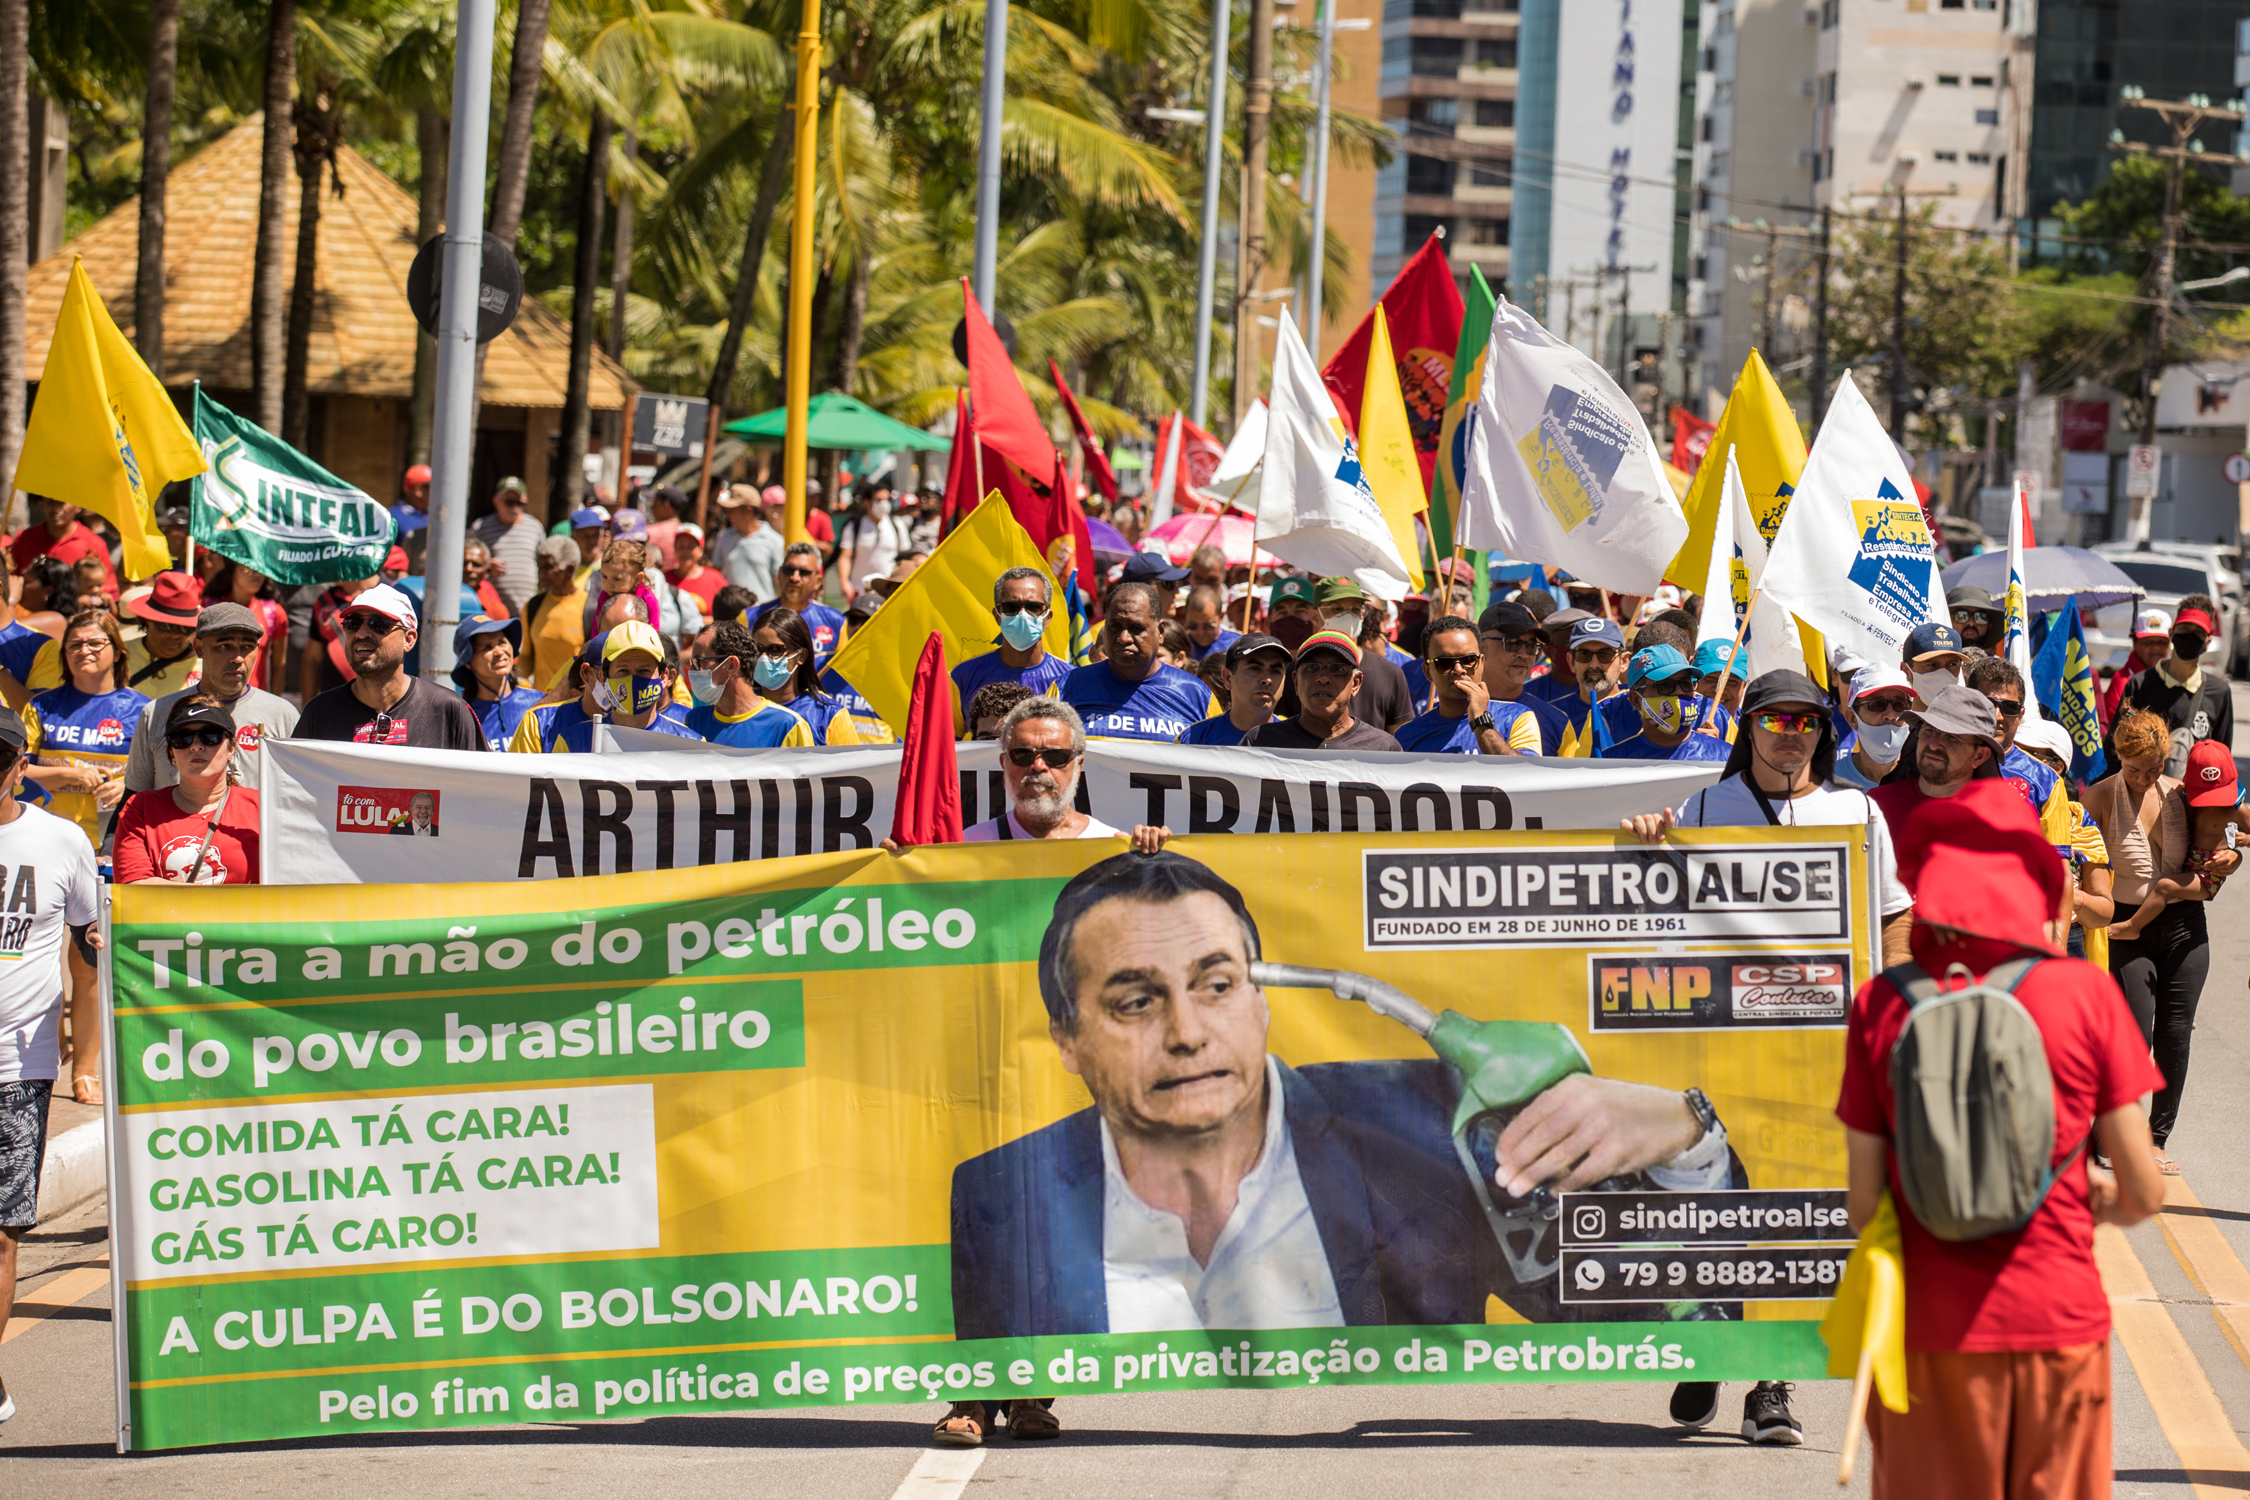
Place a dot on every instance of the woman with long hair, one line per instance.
(785, 674)
(244, 585)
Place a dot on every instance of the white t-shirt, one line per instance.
(989, 830)
(1730, 805)
(875, 546)
(47, 884)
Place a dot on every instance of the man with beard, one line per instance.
(1042, 751)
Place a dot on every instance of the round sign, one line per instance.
(2238, 468)
(1000, 326)
(499, 293)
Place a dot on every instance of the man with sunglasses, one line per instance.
(227, 637)
(1976, 616)
(385, 703)
(1257, 668)
(1508, 632)
(2003, 687)
(1022, 601)
(798, 580)
(1596, 659)
(1956, 741)
(1722, 670)
(1660, 684)
(1465, 721)
(1877, 704)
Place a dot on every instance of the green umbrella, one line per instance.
(835, 420)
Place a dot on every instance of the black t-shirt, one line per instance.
(1384, 698)
(2206, 714)
(427, 718)
(1290, 734)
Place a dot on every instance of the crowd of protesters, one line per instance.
(136, 711)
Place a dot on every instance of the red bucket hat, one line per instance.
(1978, 862)
(173, 599)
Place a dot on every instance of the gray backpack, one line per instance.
(1974, 1127)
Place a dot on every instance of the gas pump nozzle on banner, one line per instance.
(1502, 1065)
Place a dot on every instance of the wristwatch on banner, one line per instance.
(1699, 1105)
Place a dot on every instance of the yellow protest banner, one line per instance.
(103, 434)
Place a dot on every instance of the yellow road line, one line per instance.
(2211, 1265)
(66, 1290)
(2187, 1409)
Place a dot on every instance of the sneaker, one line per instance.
(7, 1406)
(1695, 1402)
(1765, 1415)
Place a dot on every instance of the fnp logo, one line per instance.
(1719, 992)
(380, 809)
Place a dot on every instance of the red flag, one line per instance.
(1006, 420)
(1199, 460)
(1097, 462)
(929, 778)
(1423, 309)
(1691, 438)
(961, 494)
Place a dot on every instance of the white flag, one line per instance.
(1731, 586)
(1314, 507)
(1561, 469)
(1160, 506)
(1236, 479)
(1853, 558)
(2016, 612)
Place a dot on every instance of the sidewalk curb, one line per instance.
(74, 1170)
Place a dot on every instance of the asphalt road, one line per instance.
(2178, 1285)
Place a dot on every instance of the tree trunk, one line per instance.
(821, 371)
(773, 175)
(268, 286)
(515, 137)
(854, 323)
(15, 227)
(156, 170)
(621, 256)
(317, 124)
(431, 135)
(577, 420)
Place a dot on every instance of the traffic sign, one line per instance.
(2237, 468)
(2143, 463)
(499, 294)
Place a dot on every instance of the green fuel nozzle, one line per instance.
(1503, 1065)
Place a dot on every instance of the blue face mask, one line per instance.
(701, 687)
(1023, 631)
(774, 675)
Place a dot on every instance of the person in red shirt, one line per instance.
(2007, 1337)
(476, 572)
(690, 573)
(61, 536)
(1956, 742)
(204, 831)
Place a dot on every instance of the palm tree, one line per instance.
(526, 55)
(319, 121)
(156, 167)
(15, 229)
(268, 331)
(577, 420)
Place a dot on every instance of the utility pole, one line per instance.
(1207, 255)
(1765, 287)
(1820, 328)
(1250, 230)
(1898, 324)
(995, 99)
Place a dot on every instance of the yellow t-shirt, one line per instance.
(552, 638)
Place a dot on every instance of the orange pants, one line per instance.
(2024, 1426)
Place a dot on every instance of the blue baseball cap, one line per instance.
(580, 520)
(1712, 656)
(1660, 663)
(1932, 638)
(1596, 632)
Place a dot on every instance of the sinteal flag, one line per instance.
(268, 507)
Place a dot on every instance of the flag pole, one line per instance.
(798, 365)
(1855, 1423)
(1706, 726)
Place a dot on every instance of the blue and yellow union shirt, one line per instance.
(70, 728)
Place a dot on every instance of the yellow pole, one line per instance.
(799, 364)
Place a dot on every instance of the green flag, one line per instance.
(267, 506)
(1453, 437)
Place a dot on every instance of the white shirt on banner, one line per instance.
(1268, 1267)
(1730, 805)
(47, 877)
(989, 830)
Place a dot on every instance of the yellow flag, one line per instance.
(1870, 1309)
(951, 593)
(1769, 448)
(103, 434)
(1386, 448)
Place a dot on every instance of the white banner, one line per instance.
(342, 814)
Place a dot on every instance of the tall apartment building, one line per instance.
(1448, 88)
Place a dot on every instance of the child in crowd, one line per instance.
(2212, 790)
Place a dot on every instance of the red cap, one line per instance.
(173, 599)
(419, 474)
(397, 560)
(1978, 862)
(2198, 619)
(2210, 779)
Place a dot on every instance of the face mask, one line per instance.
(1927, 685)
(1022, 631)
(701, 687)
(773, 675)
(1291, 632)
(1348, 624)
(633, 695)
(1883, 742)
(1662, 714)
(878, 509)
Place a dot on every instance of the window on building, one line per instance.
(1489, 7)
(1722, 162)
(1495, 53)
(1435, 10)
(1988, 117)
(1442, 114)
(1496, 113)
(1949, 4)
(1490, 174)
(1980, 158)
(1945, 155)
(1825, 90)
(1984, 4)
(1828, 15)
(1949, 80)
(1980, 80)
(1419, 228)
(1427, 176)
(1485, 231)
(1434, 56)
(1722, 92)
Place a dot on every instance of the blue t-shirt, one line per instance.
(71, 728)
(1213, 731)
(1552, 723)
(817, 710)
(547, 731)
(1432, 733)
(1218, 646)
(19, 650)
(980, 672)
(1161, 706)
(1694, 747)
(869, 723)
(501, 715)
(766, 727)
(1552, 688)
(826, 625)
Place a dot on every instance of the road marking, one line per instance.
(66, 1290)
(2209, 1261)
(940, 1474)
(2186, 1407)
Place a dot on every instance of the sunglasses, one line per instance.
(1053, 760)
(1011, 607)
(1871, 708)
(799, 572)
(777, 653)
(1588, 656)
(208, 737)
(1528, 644)
(1454, 663)
(2006, 709)
(369, 623)
(1787, 723)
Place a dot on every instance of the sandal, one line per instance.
(86, 1089)
(2166, 1165)
(1032, 1422)
(963, 1426)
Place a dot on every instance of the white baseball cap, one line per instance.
(1869, 679)
(385, 600)
(2046, 735)
(2151, 622)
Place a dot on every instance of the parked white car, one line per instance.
(2169, 571)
